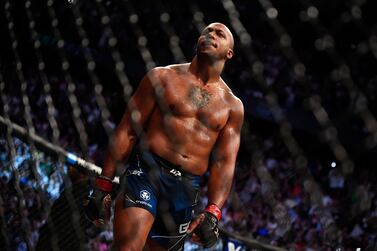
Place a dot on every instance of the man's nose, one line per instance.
(211, 35)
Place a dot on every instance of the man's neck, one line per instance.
(205, 70)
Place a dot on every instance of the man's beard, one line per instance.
(210, 56)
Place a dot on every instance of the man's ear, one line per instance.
(229, 54)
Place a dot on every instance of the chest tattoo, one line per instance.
(199, 96)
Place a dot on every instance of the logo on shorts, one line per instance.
(134, 172)
(176, 173)
(183, 227)
(145, 195)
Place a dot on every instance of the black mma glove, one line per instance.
(98, 204)
(205, 226)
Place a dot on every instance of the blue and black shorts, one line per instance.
(167, 192)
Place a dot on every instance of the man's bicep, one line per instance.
(227, 146)
(229, 138)
(142, 102)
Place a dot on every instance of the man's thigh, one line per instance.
(131, 226)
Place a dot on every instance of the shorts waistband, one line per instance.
(173, 169)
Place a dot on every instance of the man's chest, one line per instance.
(186, 99)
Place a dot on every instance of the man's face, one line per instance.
(217, 41)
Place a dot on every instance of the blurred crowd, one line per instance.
(38, 193)
(24, 199)
(293, 219)
(271, 200)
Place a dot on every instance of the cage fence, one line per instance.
(69, 68)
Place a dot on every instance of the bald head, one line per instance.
(226, 30)
(216, 42)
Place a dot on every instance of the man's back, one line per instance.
(188, 117)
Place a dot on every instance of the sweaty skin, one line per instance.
(196, 113)
(187, 115)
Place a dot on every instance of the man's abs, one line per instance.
(194, 161)
(181, 142)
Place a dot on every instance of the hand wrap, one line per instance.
(207, 230)
(98, 204)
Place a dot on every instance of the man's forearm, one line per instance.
(119, 148)
(220, 183)
(109, 166)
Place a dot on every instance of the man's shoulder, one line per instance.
(231, 97)
(235, 105)
(179, 67)
(163, 74)
(170, 69)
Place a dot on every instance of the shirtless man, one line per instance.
(187, 121)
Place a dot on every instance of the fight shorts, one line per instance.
(167, 192)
